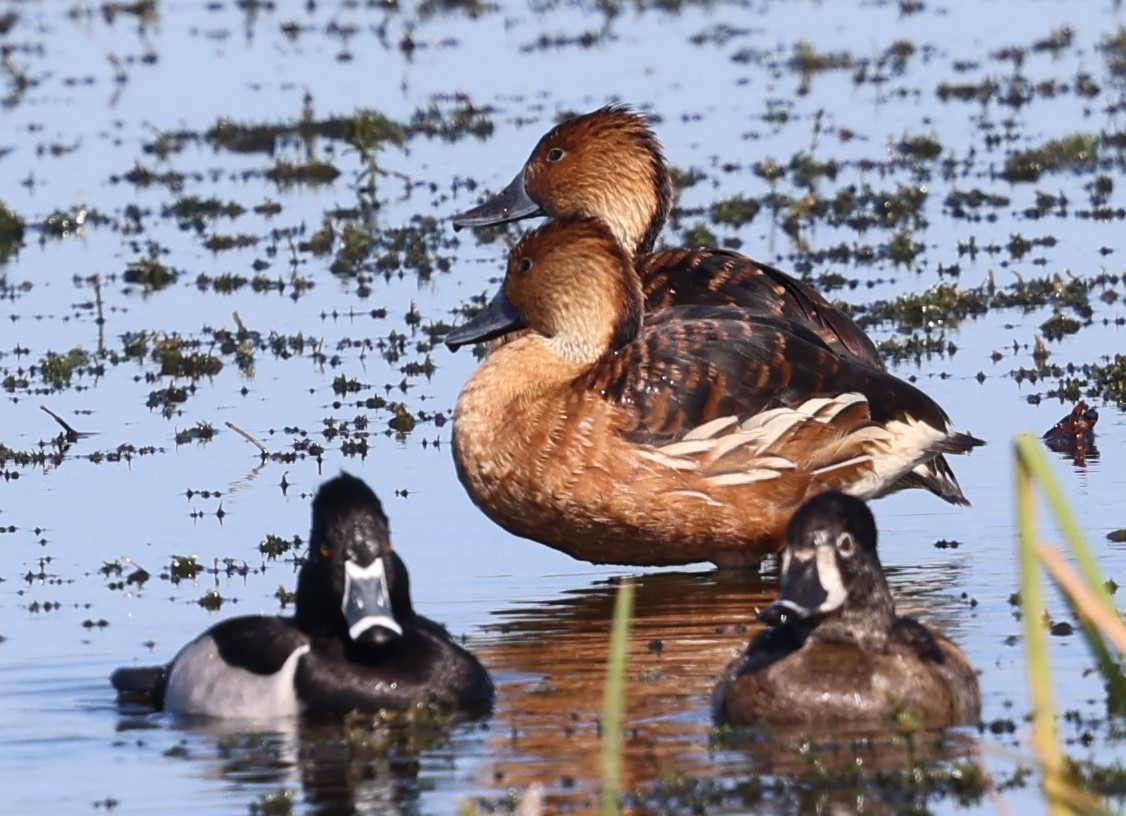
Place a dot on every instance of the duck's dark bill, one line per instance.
(510, 204)
(802, 594)
(495, 320)
(367, 603)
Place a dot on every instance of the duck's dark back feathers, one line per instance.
(717, 277)
(257, 643)
(822, 682)
(918, 639)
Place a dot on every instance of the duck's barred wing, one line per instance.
(691, 365)
(720, 278)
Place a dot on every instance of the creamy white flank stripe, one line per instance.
(660, 458)
(856, 460)
(688, 447)
(907, 444)
(895, 448)
(710, 429)
(747, 445)
(746, 477)
(695, 494)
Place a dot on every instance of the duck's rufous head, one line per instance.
(569, 281)
(606, 164)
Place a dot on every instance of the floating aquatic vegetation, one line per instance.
(1072, 153)
(11, 233)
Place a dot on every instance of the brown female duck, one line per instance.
(690, 437)
(608, 164)
(836, 652)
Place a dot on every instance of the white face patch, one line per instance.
(830, 579)
(367, 601)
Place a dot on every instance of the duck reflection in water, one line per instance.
(358, 764)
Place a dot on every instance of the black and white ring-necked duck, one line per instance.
(835, 650)
(354, 643)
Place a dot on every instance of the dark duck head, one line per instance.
(832, 580)
(353, 583)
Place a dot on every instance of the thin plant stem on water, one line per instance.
(613, 700)
(1032, 462)
(1089, 601)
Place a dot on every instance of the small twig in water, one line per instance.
(100, 320)
(262, 448)
(71, 434)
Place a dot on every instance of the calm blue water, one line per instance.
(536, 617)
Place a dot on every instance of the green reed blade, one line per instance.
(613, 701)
(1044, 737)
(1032, 460)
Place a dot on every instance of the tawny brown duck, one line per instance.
(608, 164)
(691, 435)
(836, 652)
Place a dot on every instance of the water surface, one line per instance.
(319, 364)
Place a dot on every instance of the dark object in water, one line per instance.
(1075, 434)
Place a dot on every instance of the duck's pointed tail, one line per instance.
(143, 684)
(937, 476)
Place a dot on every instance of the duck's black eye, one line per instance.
(525, 265)
(845, 544)
(554, 155)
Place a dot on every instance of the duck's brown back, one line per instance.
(717, 277)
(831, 682)
(692, 364)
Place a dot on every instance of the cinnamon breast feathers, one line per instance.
(690, 435)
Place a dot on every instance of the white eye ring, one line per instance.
(845, 544)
